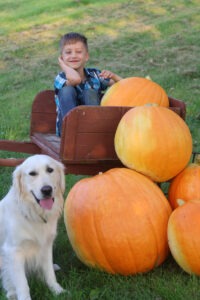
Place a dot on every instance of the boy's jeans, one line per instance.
(68, 99)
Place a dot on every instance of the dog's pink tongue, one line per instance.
(46, 203)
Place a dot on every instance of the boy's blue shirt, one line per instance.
(93, 81)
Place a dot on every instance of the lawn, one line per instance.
(152, 38)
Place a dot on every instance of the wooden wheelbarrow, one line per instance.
(87, 142)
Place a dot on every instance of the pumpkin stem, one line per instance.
(180, 202)
(151, 104)
(148, 77)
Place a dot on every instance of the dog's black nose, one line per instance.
(46, 190)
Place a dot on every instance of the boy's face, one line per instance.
(75, 55)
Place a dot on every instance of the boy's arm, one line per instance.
(106, 74)
(73, 77)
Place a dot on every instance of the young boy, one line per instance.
(76, 84)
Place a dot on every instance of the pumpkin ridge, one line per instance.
(105, 264)
(111, 177)
(163, 165)
(84, 253)
(115, 180)
(167, 210)
(129, 247)
(109, 266)
(155, 243)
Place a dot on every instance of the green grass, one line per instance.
(132, 38)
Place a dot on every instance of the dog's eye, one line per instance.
(32, 173)
(49, 170)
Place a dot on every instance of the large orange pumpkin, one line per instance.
(135, 91)
(185, 186)
(154, 141)
(117, 222)
(184, 237)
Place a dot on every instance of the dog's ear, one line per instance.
(61, 177)
(17, 181)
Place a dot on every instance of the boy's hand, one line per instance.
(106, 74)
(110, 75)
(62, 64)
(73, 77)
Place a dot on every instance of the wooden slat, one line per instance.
(48, 143)
(176, 110)
(43, 116)
(11, 162)
(69, 132)
(49, 140)
(22, 147)
(178, 106)
(44, 102)
(95, 146)
(91, 169)
(88, 132)
(44, 123)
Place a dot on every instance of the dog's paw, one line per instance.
(57, 289)
(20, 297)
(11, 295)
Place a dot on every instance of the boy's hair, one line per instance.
(73, 37)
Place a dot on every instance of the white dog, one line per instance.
(28, 224)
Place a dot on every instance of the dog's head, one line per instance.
(40, 182)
